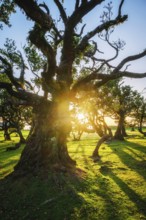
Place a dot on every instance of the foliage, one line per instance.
(6, 8)
(14, 115)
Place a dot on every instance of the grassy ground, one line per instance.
(112, 189)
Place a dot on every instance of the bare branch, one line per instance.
(120, 7)
(45, 7)
(105, 26)
(130, 74)
(81, 32)
(114, 47)
(77, 4)
(62, 11)
(128, 59)
(81, 11)
(100, 78)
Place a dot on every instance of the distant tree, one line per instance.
(141, 117)
(94, 106)
(14, 117)
(65, 48)
(76, 123)
(124, 102)
(14, 113)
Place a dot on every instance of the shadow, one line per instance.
(111, 207)
(137, 147)
(66, 197)
(134, 153)
(133, 196)
(137, 165)
(11, 162)
(33, 198)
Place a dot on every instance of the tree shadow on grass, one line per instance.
(111, 208)
(137, 146)
(63, 197)
(137, 165)
(133, 196)
(42, 199)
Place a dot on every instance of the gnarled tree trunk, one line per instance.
(95, 154)
(46, 148)
(107, 136)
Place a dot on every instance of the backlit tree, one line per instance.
(65, 48)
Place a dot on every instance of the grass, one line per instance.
(112, 189)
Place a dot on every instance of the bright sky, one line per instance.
(133, 32)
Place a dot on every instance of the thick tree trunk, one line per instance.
(46, 148)
(124, 131)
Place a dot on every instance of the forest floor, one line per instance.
(113, 188)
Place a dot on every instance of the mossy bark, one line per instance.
(46, 148)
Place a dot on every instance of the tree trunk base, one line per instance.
(142, 132)
(41, 156)
(119, 138)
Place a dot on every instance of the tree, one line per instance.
(63, 48)
(120, 104)
(93, 105)
(124, 103)
(14, 117)
(140, 115)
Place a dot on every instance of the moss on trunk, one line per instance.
(46, 148)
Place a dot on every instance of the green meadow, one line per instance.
(113, 188)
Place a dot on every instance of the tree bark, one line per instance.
(7, 135)
(124, 131)
(119, 131)
(95, 154)
(46, 148)
(22, 139)
(6, 132)
(140, 129)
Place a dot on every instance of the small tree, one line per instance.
(124, 103)
(14, 116)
